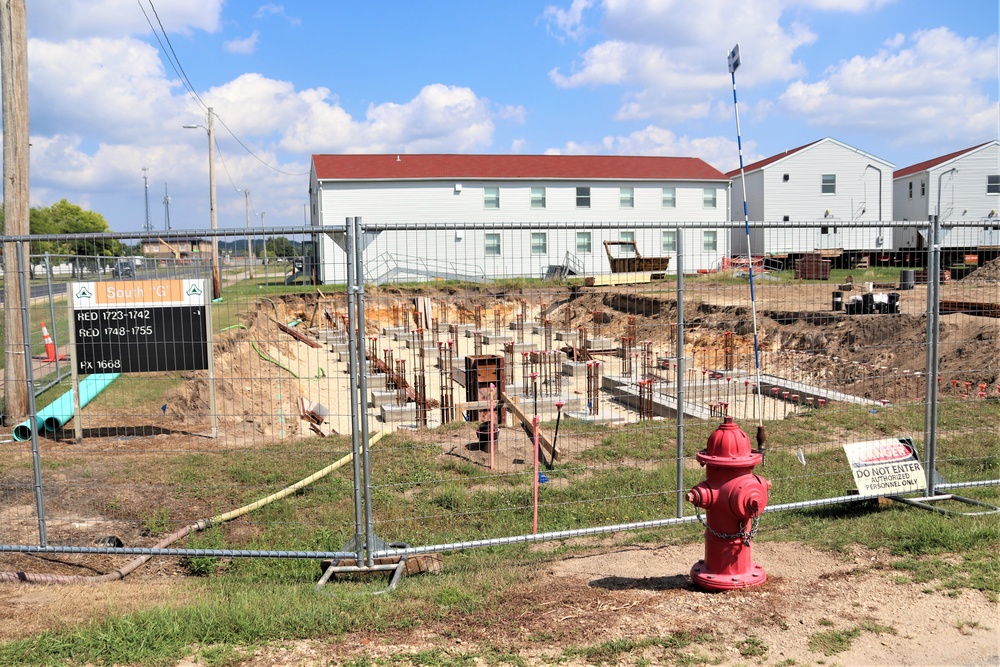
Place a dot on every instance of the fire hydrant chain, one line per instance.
(744, 536)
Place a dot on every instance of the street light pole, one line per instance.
(216, 280)
(246, 194)
(263, 252)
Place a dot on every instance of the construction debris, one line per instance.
(970, 308)
(315, 414)
(301, 337)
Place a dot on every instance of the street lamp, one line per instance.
(246, 193)
(216, 281)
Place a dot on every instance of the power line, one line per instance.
(256, 157)
(176, 66)
(175, 63)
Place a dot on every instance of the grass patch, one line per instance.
(832, 642)
(752, 647)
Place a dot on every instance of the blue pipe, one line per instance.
(53, 416)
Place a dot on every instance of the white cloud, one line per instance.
(271, 9)
(242, 46)
(112, 88)
(933, 89)
(562, 23)
(720, 152)
(846, 5)
(439, 119)
(670, 55)
(58, 19)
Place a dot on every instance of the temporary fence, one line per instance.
(395, 388)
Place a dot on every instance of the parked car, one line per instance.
(123, 269)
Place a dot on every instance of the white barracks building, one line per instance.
(497, 216)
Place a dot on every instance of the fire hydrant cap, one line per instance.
(729, 446)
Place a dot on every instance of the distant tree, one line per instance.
(70, 219)
(279, 246)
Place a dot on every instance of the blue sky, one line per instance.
(904, 80)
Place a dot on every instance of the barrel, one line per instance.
(906, 280)
(483, 433)
(867, 304)
(838, 300)
(893, 303)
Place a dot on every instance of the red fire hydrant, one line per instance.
(733, 498)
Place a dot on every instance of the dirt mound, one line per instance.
(987, 273)
(251, 399)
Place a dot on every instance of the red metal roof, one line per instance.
(933, 162)
(458, 166)
(768, 160)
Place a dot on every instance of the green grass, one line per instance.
(832, 642)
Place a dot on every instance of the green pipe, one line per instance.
(56, 414)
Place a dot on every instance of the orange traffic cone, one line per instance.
(50, 347)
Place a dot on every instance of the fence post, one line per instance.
(362, 399)
(52, 308)
(679, 377)
(29, 374)
(354, 369)
(933, 339)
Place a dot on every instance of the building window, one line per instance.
(829, 186)
(710, 241)
(491, 197)
(583, 197)
(923, 189)
(539, 243)
(492, 246)
(824, 230)
(627, 248)
(784, 178)
(709, 198)
(670, 197)
(785, 218)
(626, 198)
(993, 184)
(669, 241)
(910, 189)
(538, 197)
(583, 242)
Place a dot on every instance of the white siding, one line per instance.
(461, 252)
(863, 193)
(963, 198)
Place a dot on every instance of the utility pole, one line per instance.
(216, 278)
(14, 75)
(145, 181)
(246, 196)
(166, 209)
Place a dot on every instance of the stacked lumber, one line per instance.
(920, 277)
(812, 267)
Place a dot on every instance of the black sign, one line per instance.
(141, 340)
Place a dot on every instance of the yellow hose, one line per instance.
(122, 572)
(246, 509)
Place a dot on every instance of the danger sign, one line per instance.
(885, 467)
